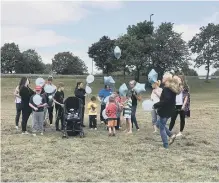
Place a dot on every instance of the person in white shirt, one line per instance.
(18, 106)
(155, 97)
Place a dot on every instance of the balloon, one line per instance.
(88, 90)
(49, 88)
(104, 114)
(152, 76)
(37, 99)
(147, 105)
(123, 90)
(117, 52)
(106, 100)
(90, 79)
(139, 88)
(40, 82)
(108, 80)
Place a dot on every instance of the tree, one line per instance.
(102, 54)
(170, 51)
(67, 63)
(31, 63)
(188, 71)
(48, 69)
(10, 55)
(216, 73)
(206, 45)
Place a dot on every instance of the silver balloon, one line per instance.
(104, 114)
(37, 99)
(139, 88)
(152, 76)
(123, 90)
(108, 80)
(90, 79)
(40, 82)
(117, 52)
(88, 90)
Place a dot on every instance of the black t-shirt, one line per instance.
(80, 94)
(40, 109)
(26, 93)
(59, 97)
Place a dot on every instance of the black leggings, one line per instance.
(26, 112)
(59, 117)
(50, 111)
(182, 118)
(18, 109)
(101, 110)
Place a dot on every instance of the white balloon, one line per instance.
(88, 90)
(147, 105)
(106, 100)
(117, 52)
(90, 79)
(40, 82)
(104, 114)
(37, 99)
(139, 88)
(49, 88)
(111, 80)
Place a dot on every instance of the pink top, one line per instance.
(111, 110)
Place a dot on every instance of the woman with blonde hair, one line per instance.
(166, 106)
(182, 106)
(155, 97)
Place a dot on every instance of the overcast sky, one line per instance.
(56, 26)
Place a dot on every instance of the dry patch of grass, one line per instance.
(136, 157)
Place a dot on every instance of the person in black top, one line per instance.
(81, 93)
(59, 104)
(38, 111)
(25, 92)
(166, 107)
(135, 98)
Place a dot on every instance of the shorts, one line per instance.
(112, 123)
(127, 116)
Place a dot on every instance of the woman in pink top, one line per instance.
(111, 112)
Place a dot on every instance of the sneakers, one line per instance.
(138, 129)
(25, 133)
(179, 134)
(102, 122)
(172, 138)
(34, 134)
(95, 128)
(41, 133)
(16, 127)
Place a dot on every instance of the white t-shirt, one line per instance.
(179, 99)
(17, 99)
(154, 97)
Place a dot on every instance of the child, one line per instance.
(155, 97)
(127, 111)
(119, 109)
(92, 112)
(38, 112)
(59, 104)
(111, 110)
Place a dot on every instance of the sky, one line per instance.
(50, 27)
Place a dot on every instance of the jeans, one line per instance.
(154, 117)
(164, 131)
(18, 114)
(133, 117)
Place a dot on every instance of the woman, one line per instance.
(135, 98)
(25, 92)
(182, 105)
(80, 93)
(166, 106)
(18, 106)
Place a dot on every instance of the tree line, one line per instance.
(143, 47)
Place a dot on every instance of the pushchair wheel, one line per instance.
(65, 137)
(81, 134)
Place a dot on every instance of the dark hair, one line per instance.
(60, 85)
(22, 82)
(117, 92)
(78, 83)
(106, 86)
(93, 98)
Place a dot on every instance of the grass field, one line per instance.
(136, 157)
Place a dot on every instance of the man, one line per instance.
(135, 98)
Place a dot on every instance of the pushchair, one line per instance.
(73, 117)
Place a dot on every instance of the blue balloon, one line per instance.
(123, 90)
(152, 76)
(139, 88)
(108, 80)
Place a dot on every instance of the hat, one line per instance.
(38, 88)
(50, 78)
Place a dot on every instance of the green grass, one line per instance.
(137, 157)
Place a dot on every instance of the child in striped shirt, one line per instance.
(127, 111)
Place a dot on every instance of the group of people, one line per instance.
(169, 101)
